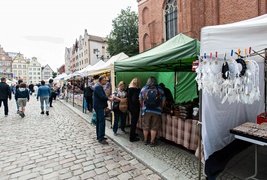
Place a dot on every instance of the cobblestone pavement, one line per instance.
(169, 160)
(60, 146)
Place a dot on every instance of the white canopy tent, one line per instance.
(108, 66)
(60, 77)
(92, 68)
(218, 118)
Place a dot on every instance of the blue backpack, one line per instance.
(152, 97)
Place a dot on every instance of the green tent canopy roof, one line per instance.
(175, 54)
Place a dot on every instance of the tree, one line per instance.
(124, 36)
(54, 74)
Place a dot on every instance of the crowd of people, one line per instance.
(22, 93)
(149, 100)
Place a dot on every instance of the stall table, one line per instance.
(249, 132)
(182, 132)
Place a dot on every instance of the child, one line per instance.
(22, 97)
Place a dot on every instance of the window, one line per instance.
(14, 66)
(7, 63)
(24, 66)
(19, 66)
(1, 64)
(15, 72)
(30, 69)
(24, 72)
(1, 70)
(171, 19)
(34, 64)
(34, 69)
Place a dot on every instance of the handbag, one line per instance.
(123, 105)
(116, 105)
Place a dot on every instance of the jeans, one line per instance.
(119, 116)
(5, 102)
(46, 100)
(100, 124)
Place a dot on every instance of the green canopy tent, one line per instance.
(170, 63)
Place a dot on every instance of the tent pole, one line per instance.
(175, 81)
(265, 79)
(200, 137)
(84, 111)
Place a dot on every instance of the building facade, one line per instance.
(20, 68)
(67, 60)
(88, 50)
(5, 64)
(61, 69)
(160, 20)
(47, 73)
(34, 69)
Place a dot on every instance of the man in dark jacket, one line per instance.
(5, 93)
(100, 103)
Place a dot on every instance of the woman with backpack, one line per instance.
(118, 95)
(152, 98)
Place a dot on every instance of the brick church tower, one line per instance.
(160, 20)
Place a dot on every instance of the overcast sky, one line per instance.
(43, 28)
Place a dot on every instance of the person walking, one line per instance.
(100, 103)
(17, 87)
(118, 94)
(5, 94)
(22, 96)
(52, 92)
(152, 98)
(133, 92)
(43, 93)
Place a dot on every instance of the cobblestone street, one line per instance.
(60, 146)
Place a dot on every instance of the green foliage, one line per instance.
(54, 74)
(124, 36)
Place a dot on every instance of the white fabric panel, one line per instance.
(244, 34)
(219, 118)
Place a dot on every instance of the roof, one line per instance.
(175, 54)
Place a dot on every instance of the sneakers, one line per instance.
(115, 134)
(146, 142)
(6, 115)
(18, 111)
(21, 114)
(42, 112)
(47, 113)
(103, 142)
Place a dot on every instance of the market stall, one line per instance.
(171, 64)
(222, 113)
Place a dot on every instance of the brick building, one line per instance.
(160, 20)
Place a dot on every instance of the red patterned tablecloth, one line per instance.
(183, 132)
